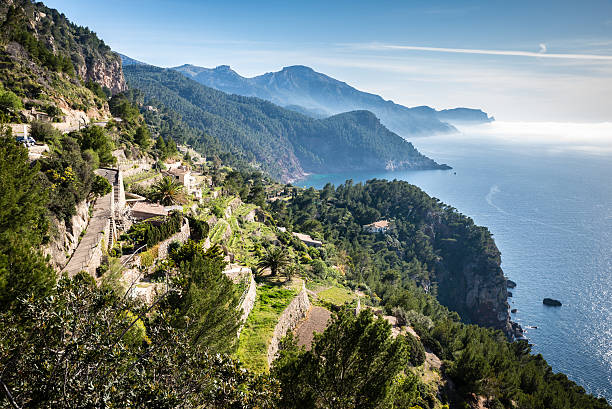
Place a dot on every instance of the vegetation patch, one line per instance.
(253, 344)
(336, 295)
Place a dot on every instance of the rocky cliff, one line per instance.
(474, 285)
(65, 236)
(35, 25)
(478, 293)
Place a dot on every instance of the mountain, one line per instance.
(303, 87)
(130, 61)
(464, 115)
(283, 142)
(53, 67)
(58, 44)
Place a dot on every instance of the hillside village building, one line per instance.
(377, 227)
(183, 175)
(307, 240)
(145, 210)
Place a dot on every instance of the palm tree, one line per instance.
(167, 192)
(276, 260)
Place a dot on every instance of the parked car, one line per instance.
(27, 141)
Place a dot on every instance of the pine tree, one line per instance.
(23, 226)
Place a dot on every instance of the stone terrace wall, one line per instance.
(181, 237)
(65, 237)
(236, 273)
(248, 301)
(294, 313)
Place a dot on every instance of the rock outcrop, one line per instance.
(65, 236)
(476, 286)
(551, 302)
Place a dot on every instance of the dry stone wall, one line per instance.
(66, 236)
(293, 314)
(181, 237)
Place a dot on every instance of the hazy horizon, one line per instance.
(550, 61)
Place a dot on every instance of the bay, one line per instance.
(545, 192)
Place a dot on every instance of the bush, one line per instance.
(100, 186)
(95, 137)
(44, 132)
(9, 102)
(147, 259)
(416, 350)
(218, 211)
(199, 229)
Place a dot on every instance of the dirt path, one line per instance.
(316, 320)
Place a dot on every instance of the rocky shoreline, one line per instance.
(516, 333)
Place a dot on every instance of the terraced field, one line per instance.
(259, 328)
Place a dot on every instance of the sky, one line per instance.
(517, 60)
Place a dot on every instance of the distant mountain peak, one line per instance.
(298, 68)
(307, 90)
(223, 68)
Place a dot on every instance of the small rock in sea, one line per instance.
(551, 302)
(513, 311)
(510, 283)
(509, 294)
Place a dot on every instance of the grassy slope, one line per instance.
(255, 337)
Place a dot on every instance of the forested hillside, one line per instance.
(429, 244)
(304, 90)
(51, 65)
(282, 142)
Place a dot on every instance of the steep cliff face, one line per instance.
(36, 26)
(477, 292)
(105, 71)
(470, 279)
(65, 236)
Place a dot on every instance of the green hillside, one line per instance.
(282, 142)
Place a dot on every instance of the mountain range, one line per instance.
(280, 141)
(315, 94)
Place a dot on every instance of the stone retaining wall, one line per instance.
(65, 236)
(293, 314)
(181, 237)
(249, 301)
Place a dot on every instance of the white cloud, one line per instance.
(541, 54)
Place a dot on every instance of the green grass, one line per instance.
(217, 232)
(253, 344)
(244, 209)
(139, 177)
(336, 295)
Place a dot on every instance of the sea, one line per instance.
(545, 192)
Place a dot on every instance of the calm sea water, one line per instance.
(545, 192)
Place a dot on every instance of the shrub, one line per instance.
(147, 259)
(416, 350)
(150, 233)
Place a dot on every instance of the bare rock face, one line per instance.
(65, 237)
(105, 71)
(479, 294)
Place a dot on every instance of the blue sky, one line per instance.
(517, 60)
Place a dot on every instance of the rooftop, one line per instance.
(153, 209)
(306, 238)
(381, 224)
